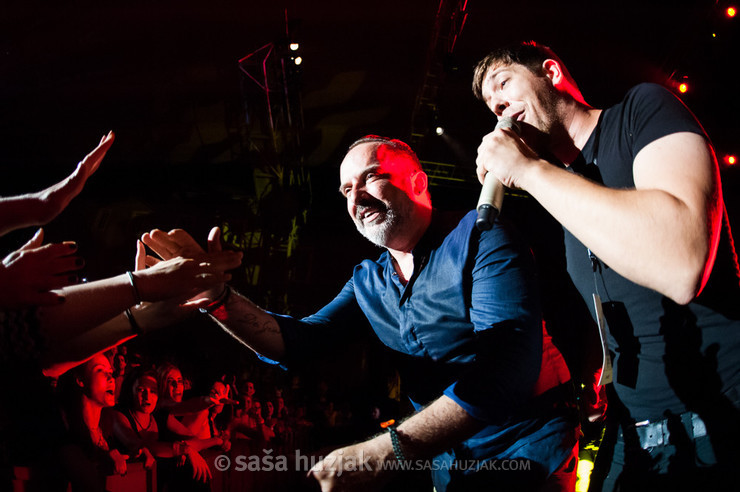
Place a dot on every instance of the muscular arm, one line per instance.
(663, 234)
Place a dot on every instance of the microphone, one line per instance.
(492, 193)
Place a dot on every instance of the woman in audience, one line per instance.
(87, 457)
(49, 324)
(136, 432)
(170, 414)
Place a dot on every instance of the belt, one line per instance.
(658, 434)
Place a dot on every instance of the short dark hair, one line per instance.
(393, 143)
(529, 54)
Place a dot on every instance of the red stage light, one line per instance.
(730, 160)
(731, 11)
(683, 87)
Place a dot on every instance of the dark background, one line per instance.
(164, 76)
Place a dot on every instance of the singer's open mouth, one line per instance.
(370, 215)
(518, 116)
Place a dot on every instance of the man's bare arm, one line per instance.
(251, 325)
(663, 234)
(438, 427)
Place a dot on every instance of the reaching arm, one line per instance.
(240, 317)
(41, 207)
(426, 434)
(29, 275)
(251, 326)
(61, 357)
(91, 304)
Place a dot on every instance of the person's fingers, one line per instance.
(60, 265)
(196, 304)
(35, 242)
(140, 259)
(187, 246)
(161, 243)
(150, 261)
(92, 161)
(224, 260)
(205, 281)
(214, 240)
(158, 242)
(51, 259)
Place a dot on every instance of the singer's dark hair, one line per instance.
(393, 143)
(529, 54)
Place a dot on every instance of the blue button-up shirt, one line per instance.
(467, 325)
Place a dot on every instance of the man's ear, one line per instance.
(553, 71)
(80, 382)
(419, 182)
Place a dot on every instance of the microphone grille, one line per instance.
(507, 122)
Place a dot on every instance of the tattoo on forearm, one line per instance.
(249, 323)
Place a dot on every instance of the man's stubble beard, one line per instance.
(393, 220)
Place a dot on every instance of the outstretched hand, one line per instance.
(55, 198)
(178, 243)
(152, 315)
(28, 275)
(181, 276)
(168, 245)
(39, 208)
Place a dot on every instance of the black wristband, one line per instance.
(135, 328)
(137, 297)
(218, 302)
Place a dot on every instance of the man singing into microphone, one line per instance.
(649, 248)
(459, 310)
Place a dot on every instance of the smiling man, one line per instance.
(459, 310)
(649, 248)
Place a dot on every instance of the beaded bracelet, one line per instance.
(395, 440)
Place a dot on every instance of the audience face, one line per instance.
(217, 389)
(250, 388)
(174, 386)
(269, 409)
(98, 384)
(120, 364)
(145, 394)
(256, 410)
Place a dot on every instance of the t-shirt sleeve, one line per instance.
(654, 112)
(505, 312)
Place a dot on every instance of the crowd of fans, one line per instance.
(82, 408)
